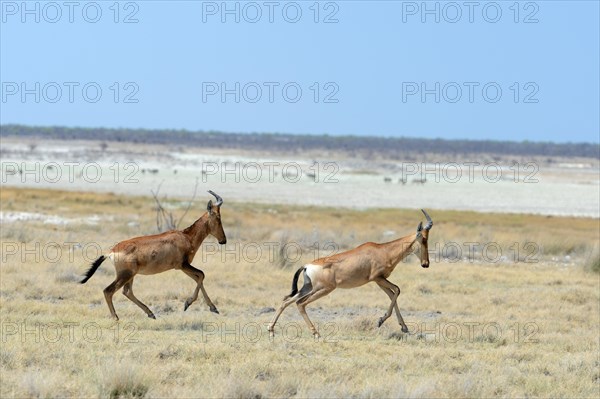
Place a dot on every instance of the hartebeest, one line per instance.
(174, 249)
(359, 266)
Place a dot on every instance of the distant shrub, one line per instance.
(592, 263)
(282, 259)
(558, 248)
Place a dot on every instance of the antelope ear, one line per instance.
(209, 206)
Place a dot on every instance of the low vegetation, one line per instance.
(524, 323)
(388, 147)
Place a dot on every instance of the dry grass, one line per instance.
(507, 328)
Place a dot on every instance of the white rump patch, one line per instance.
(312, 270)
(112, 257)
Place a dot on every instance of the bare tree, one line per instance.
(166, 220)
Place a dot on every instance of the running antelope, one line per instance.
(350, 269)
(154, 254)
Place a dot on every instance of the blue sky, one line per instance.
(491, 70)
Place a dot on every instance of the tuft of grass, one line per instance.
(128, 390)
(594, 264)
(125, 382)
(592, 261)
(398, 336)
(488, 338)
(424, 289)
(169, 352)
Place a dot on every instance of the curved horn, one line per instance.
(219, 199)
(429, 221)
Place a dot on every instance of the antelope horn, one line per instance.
(429, 221)
(219, 199)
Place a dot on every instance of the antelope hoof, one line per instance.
(271, 334)
(186, 305)
(214, 310)
(151, 315)
(380, 322)
(316, 335)
(404, 329)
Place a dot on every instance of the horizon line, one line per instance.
(338, 135)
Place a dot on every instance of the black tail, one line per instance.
(295, 283)
(93, 269)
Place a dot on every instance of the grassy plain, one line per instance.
(525, 323)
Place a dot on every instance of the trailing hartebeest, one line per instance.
(359, 266)
(154, 254)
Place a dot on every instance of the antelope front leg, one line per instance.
(198, 276)
(211, 305)
(392, 291)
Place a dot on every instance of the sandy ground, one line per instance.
(549, 188)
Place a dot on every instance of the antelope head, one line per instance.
(421, 237)
(214, 219)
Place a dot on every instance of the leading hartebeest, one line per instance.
(350, 269)
(154, 254)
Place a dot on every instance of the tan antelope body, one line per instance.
(154, 254)
(369, 262)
